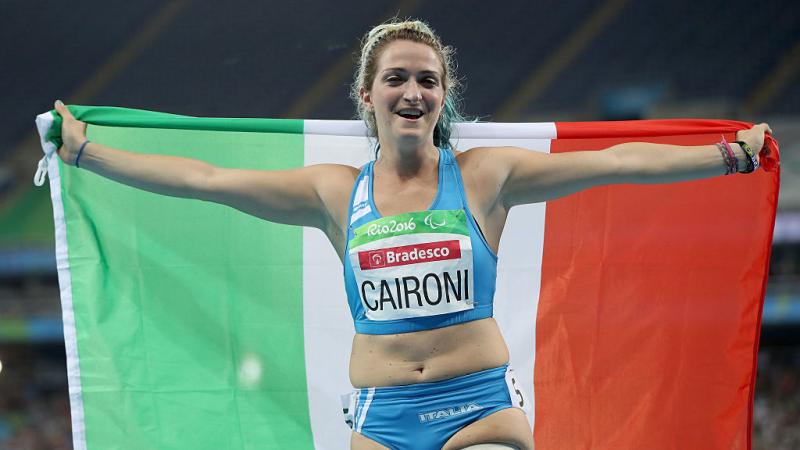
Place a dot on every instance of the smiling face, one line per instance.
(407, 93)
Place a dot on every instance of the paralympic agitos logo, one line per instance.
(432, 223)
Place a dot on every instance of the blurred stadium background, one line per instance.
(520, 61)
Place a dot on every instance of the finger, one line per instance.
(63, 110)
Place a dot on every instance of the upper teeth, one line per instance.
(411, 112)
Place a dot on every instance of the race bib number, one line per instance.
(413, 265)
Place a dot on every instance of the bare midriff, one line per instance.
(426, 356)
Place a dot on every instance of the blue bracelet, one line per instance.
(80, 150)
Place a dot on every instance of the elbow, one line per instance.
(620, 164)
(200, 183)
(634, 162)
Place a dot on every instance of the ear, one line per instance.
(366, 98)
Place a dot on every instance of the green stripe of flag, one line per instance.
(138, 118)
(174, 328)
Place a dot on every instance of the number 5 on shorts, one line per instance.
(518, 398)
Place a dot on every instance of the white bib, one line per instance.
(413, 265)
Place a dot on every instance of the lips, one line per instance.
(410, 113)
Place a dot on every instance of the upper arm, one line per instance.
(531, 176)
(308, 196)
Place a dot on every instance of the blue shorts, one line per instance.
(425, 415)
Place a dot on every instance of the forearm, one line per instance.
(660, 163)
(167, 175)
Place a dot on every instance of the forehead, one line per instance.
(409, 55)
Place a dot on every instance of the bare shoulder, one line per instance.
(333, 183)
(334, 174)
(481, 157)
(487, 171)
(471, 158)
(484, 171)
(336, 169)
(487, 163)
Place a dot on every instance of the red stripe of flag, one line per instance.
(650, 305)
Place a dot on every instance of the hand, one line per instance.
(754, 137)
(73, 133)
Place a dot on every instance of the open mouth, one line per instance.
(410, 114)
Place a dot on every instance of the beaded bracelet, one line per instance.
(726, 158)
(734, 166)
(80, 151)
(752, 159)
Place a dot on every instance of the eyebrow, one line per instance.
(402, 70)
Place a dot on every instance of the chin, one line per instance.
(413, 137)
(413, 132)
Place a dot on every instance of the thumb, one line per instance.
(63, 110)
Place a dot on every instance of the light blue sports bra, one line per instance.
(420, 270)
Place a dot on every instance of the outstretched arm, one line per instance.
(529, 177)
(295, 196)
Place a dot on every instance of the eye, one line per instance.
(393, 79)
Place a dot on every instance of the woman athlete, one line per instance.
(417, 231)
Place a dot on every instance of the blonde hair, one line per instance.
(415, 31)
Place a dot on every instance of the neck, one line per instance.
(408, 161)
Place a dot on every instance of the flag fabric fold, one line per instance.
(632, 313)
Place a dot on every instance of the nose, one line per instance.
(413, 93)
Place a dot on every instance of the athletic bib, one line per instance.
(413, 265)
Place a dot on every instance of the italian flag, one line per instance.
(632, 313)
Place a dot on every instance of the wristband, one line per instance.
(752, 159)
(80, 150)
